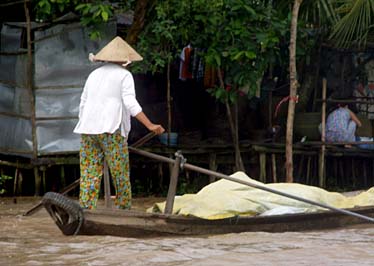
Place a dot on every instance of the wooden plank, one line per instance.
(262, 159)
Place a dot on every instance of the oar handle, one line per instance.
(143, 140)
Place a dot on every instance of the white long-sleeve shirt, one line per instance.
(108, 101)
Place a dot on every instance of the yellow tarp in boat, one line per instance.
(224, 198)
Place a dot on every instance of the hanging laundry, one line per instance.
(185, 69)
(197, 64)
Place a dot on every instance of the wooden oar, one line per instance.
(73, 185)
(247, 183)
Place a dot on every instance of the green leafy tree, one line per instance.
(92, 13)
(241, 39)
(159, 41)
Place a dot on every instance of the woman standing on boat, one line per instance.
(107, 103)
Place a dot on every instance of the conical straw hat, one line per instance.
(117, 51)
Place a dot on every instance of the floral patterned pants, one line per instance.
(94, 149)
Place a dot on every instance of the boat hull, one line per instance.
(140, 224)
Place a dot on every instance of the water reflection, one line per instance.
(35, 240)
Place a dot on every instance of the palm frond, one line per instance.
(352, 30)
(318, 12)
(314, 12)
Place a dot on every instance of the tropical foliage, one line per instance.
(92, 13)
(356, 23)
(347, 23)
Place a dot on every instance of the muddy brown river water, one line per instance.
(36, 240)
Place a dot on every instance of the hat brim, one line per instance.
(117, 51)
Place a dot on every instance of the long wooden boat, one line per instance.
(72, 220)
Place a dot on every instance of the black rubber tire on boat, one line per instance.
(66, 213)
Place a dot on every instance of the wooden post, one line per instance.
(62, 176)
(168, 97)
(212, 165)
(270, 108)
(38, 181)
(307, 179)
(15, 185)
(342, 173)
(15, 182)
(43, 168)
(29, 86)
(354, 176)
(335, 171)
(160, 172)
(365, 173)
(263, 167)
(173, 183)
(274, 167)
(301, 168)
(106, 185)
(321, 169)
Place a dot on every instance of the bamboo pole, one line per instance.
(321, 170)
(29, 86)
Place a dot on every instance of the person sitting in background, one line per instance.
(341, 125)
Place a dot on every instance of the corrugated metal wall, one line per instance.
(61, 65)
